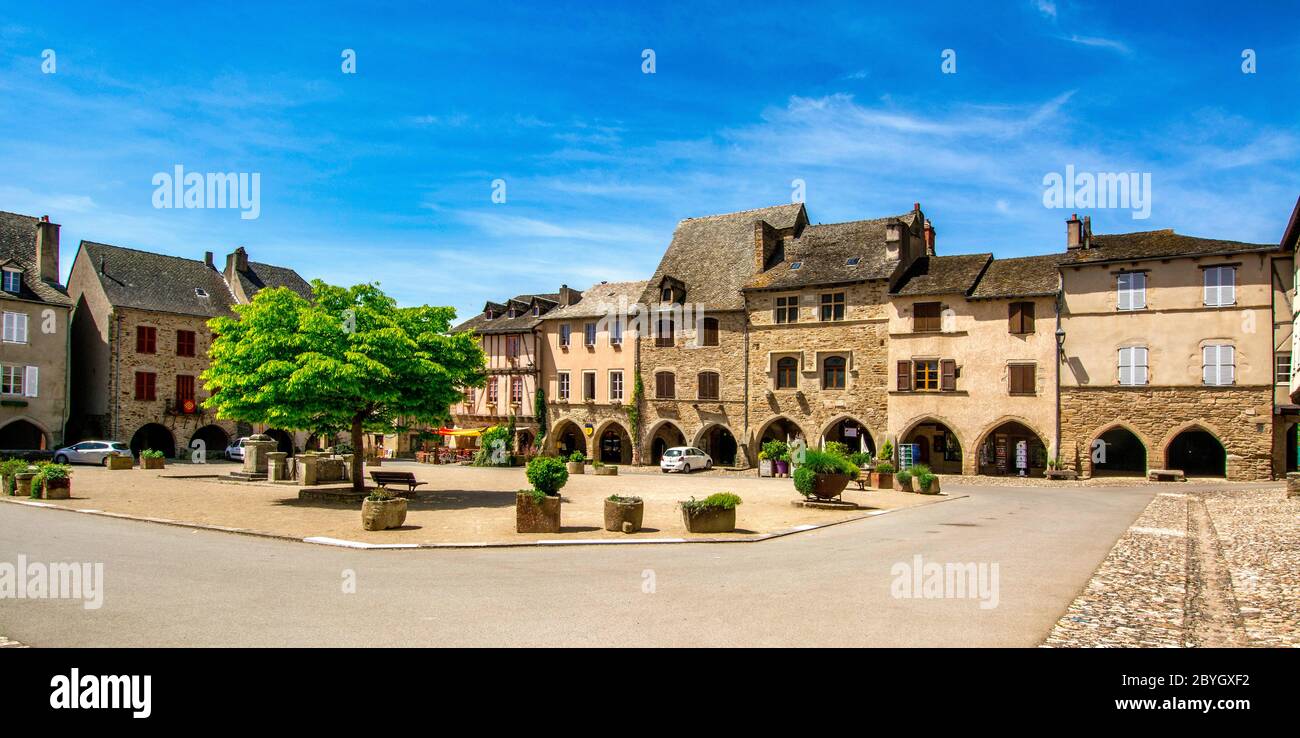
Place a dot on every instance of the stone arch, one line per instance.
(566, 436)
(215, 440)
(612, 453)
(664, 434)
(154, 436)
(24, 433)
(1005, 419)
(1189, 445)
(1085, 454)
(831, 426)
(940, 461)
(1038, 457)
(719, 442)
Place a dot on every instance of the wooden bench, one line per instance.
(1165, 475)
(386, 478)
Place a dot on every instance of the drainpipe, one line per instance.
(1059, 350)
(67, 379)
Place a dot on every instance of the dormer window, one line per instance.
(200, 292)
(853, 261)
(489, 314)
(513, 313)
(537, 310)
(795, 265)
(12, 281)
(666, 295)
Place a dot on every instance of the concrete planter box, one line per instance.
(383, 514)
(882, 480)
(147, 463)
(57, 489)
(24, 482)
(575, 467)
(828, 486)
(764, 467)
(117, 463)
(709, 520)
(1067, 474)
(533, 517)
(605, 471)
(624, 516)
(933, 489)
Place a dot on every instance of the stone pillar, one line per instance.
(1235, 470)
(24, 483)
(275, 466)
(347, 467)
(255, 450)
(1293, 485)
(307, 469)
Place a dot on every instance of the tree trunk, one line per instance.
(358, 454)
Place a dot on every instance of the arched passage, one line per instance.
(1197, 453)
(1012, 448)
(1291, 440)
(851, 433)
(283, 440)
(524, 442)
(1118, 452)
(614, 444)
(933, 444)
(214, 438)
(153, 437)
(569, 438)
(664, 436)
(22, 435)
(719, 443)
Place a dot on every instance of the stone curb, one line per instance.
(362, 545)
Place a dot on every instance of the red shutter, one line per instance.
(904, 376)
(948, 375)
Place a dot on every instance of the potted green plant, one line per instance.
(882, 475)
(903, 480)
(117, 462)
(577, 463)
(624, 513)
(9, 471)
(601, 469)
(823, 474)
(861, 460)
(382, 510)
(152, 459)
(1056, 470)
(764, 464)
(924, 481)
(779, 453)
(713, 514)
(53, 482)
(537, 510)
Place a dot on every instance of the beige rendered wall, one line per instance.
(602, 413)
(47, 349)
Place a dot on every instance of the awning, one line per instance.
(462, 432)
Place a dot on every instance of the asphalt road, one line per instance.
(168, 586)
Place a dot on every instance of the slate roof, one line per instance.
(943, 275)
(265, 276)
(1155, 245)
(148, 281)
(1024, 276)
(823, 252)
(713, 256)
(597, 301)
(18, 248)
(502, 324)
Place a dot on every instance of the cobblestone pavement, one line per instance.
(1204, 567)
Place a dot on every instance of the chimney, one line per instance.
(47, 249)
(929, 238)
(1087, 231)
(1074, 232)
(765, 244)
(894, 240)
(568, 295)
(237, 262)
(207, 259)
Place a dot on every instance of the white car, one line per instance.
(684, 459)
(235, 451)
(91, 452)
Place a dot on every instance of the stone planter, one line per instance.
(828, 486)
(148, 463)
(605, 471)
(933, 489)
(117, 463)
(383, 514)
(575, 467)
(624, 516)
(533, 517)
(24, 483)
(57, 489)
(764, 467)
(1066, 474)
(709, 520)
(882, 480)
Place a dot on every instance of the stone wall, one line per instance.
(1240, 417)
(601, 417)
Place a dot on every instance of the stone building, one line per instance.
(35, 309)
(589, 365)
(140, 341)
(1169, 350)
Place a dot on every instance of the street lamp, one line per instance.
(1060, 341)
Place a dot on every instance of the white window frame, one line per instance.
(12, 379)
(1135, 291)
(516, 397)
(589, 334)
(563, 386)
(1134, 361)
(14, 327)
(1220, 286)
(11, 281)
(1282, 373)
(615, 385)
(1215, 371)
(594, 388)
(566, 334)
(616, 332)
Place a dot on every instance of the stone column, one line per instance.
(255, 450)
(307, 469)
(24, 483)
(275, 466)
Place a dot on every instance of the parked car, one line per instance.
(91, 452)
(235, 451)
(684, 459)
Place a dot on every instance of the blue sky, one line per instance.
(387, 174)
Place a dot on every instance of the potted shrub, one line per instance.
(823, 474)
(1056, 470)
(861, 460)
(117, 462)
(151, 459)
(713, 514)
(903, 481)
(576, 463)
(53, 482)
(764, 465)
(779, 453)
(537, 510)
(624, 513)
(924, 481)
(602, 469)
(882, 476)
(382, 510)
(9, 471)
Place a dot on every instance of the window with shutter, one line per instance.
(1133, 366)
(32, 384)
(589, 386)
(665, 385)
(1220, 286)
(1132, 291)
(11, 380)
(146, 385)
(1021, 317)
(926, 317)
(1218, 367)
(710, 332)
(904, 376)
(15, 328)
(146, 340)
(948, 375)
(708, 385)
(1022, 379)
(664, 335)
(185, 341)
(925, 375)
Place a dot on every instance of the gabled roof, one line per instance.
(943, 275)
(524, 323)
(148, 281)
(1024, 276)
(600, 300)
(1155, 245)
(266, 276)
(18, 248)
(1291, 237)
(823, 253)
(713, 256)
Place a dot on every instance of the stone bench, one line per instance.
(1165, 475)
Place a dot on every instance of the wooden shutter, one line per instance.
(904, 376)
(1013, 317)
(948, 375)
(31, 382)
(1026, 317)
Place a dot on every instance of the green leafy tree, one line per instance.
(539, 409)
(349, 359)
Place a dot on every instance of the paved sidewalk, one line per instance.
(6, 643)
(1203, 567)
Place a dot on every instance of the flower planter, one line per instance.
(24, 483)
(57, 489)
(764, 467)
(781, 468)
(575, 467)
(828, 486)
(933, 489)
(624, 516)
(709, 520)
(882, 480)
(1060, 474)
(383, 514)
(533, 517)
(117, 463)
(148, 463)
(605, 471)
